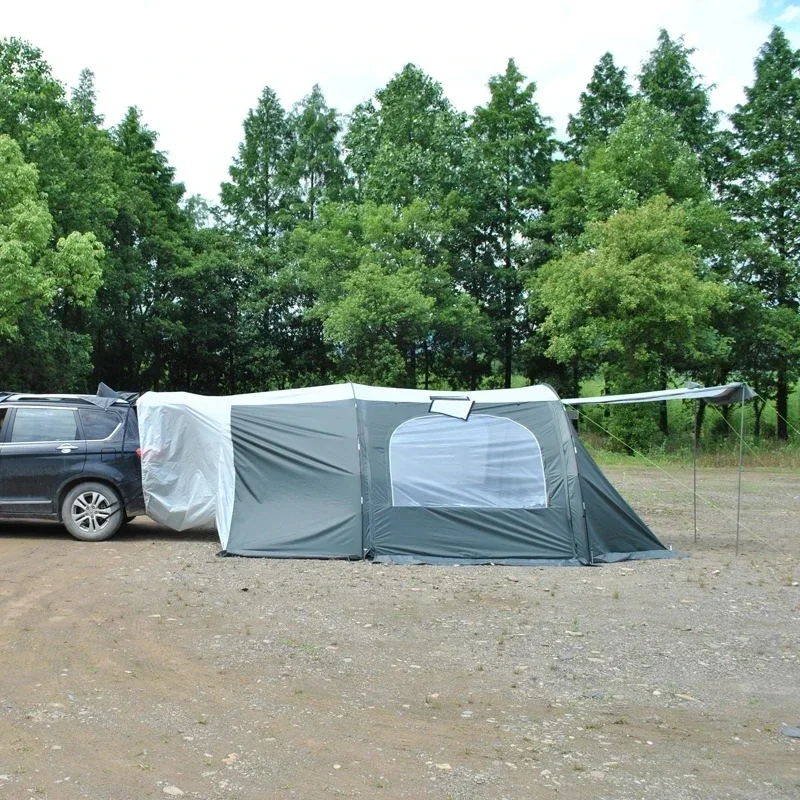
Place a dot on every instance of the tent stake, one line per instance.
(739, 493)
(694, 470)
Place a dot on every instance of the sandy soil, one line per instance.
(146, 667)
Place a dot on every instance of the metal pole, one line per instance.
(694, 469)
(739, 494)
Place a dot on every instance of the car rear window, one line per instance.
(44, 425)
(98, 424)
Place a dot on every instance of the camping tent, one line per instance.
(393, 475)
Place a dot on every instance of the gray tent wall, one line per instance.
(298, 481)
(553, 535)
(315, 480)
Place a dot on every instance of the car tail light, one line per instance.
(139, 452)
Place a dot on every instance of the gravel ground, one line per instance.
(146, 667)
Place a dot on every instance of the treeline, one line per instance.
(412, 244)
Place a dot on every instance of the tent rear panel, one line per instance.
(492, 488)
(298, 481)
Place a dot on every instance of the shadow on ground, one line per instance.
(141, 529)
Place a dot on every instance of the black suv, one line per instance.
(74, 458)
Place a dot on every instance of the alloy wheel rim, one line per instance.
(91, 511)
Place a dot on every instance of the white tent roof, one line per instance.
(347, 391)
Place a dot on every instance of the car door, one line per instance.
(41, 449)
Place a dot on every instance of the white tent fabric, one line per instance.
(719, 395)
(187, 451)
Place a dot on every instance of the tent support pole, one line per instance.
(694, 470)
(739, 492)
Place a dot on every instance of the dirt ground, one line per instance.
(146, 667)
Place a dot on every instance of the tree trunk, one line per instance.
(698, 420)
(663, 418)
(758, 409)
(782, 404)
(507, 347)
(473, 372)
(509, 298)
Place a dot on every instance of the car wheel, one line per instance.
(92, 512)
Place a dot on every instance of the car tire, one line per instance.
(92, 512)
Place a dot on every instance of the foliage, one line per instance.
(602, 107)
(258, 197)
(33, 274)
(386, 299)
(410, 243)
(515, 144)
(631, 301)
(407, 143)
(670, 82)
(764, 191)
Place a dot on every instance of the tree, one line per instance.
(670, 82)
(83, 99)
(644, 157)
(28, 92)
(259, 195)
(408, 143)
(206, 353)
(602, 107)
(764, 189)
(632, 301)
(63, 139)
(386, 299)
(316, 166)
(516, 145)
(134, 321)
(36, 273)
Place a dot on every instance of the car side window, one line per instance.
(98, 425)
(44, 425)
(3, 418)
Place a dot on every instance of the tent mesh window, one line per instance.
(483, 462)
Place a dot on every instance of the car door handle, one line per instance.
(67, 448)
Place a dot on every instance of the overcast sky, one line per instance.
(195, 68)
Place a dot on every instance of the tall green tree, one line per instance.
(29, 94)
(602, 107)
(644, 157)
(764, 189)
(516, 145)
(207, 352)
(670, 82)
(387, 302)
(37, 274)
(315, 159)
(134, 320)
(408, 143)
(260, 194)
(72, 154)
(632, 299)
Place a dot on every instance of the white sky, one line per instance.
(196, 67)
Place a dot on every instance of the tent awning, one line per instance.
(719, 395)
